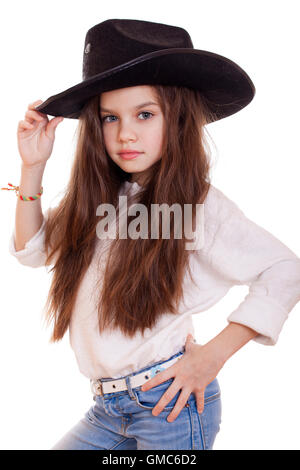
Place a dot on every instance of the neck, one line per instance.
(137, 179)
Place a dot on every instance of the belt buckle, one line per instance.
(96, 387)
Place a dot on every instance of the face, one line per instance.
(130, 124)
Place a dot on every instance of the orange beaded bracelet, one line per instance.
(24, 198)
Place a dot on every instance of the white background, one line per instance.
(256, 164)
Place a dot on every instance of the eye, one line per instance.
(145, 112)
(104, 119)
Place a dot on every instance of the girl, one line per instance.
(128, 301)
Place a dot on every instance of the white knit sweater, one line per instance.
(236, 251)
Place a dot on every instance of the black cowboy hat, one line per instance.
(119, 53)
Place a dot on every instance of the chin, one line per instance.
(133, 167)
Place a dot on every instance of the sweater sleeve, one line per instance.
(244, 253)
(33, 254)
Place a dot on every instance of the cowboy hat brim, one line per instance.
(225, 85)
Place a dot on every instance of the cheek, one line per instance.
(107, 136)
(154, 137)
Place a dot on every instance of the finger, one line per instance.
(165, 399)
(181, 402)
(158, 379)
(34, 104)
(57, 119)
(25, 125)
(42, 115)
(52, 125)
(189, 341)
(200, 401)
(34, 115)
(54, 122)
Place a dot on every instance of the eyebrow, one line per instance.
(148, 103)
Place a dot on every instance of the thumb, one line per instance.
(52, 125)
(189, 339)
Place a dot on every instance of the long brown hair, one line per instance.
(143, 277)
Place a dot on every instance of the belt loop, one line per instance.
(96, 387)
(129, 388)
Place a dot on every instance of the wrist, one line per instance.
(32, 175)
(230, 340)
(33, 169)
(31, 181)
(215, 351)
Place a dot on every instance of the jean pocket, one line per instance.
(210, 420)
(212, 391)
(148, 399)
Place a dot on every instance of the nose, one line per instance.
(126, 132)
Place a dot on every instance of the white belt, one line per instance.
(117, 385)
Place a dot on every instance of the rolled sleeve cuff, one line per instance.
(262, 315)
(32, 254)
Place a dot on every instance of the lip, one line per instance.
(128, 155)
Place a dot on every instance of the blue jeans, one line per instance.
(123, 420)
